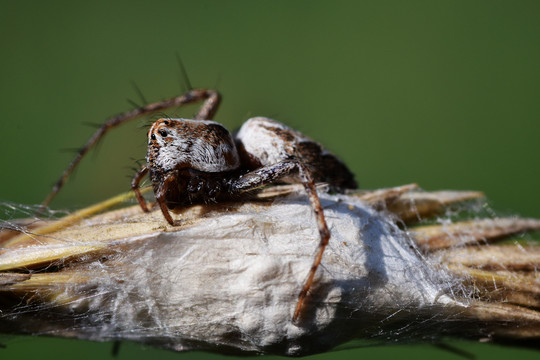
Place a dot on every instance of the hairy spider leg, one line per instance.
(211, 100)
(139, 175)
(170, 179)
(270, 174)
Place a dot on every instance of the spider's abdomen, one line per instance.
(262, 142)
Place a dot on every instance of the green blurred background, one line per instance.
(441, 93)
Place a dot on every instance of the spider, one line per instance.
(199, 161)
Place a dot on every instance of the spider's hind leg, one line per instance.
(272, 173)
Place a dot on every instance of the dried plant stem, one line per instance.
(228, 277)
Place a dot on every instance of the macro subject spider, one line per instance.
(200, 161)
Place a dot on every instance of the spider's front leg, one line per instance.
(166, 183)
(270, 174)
(160, 191)
(136, 189)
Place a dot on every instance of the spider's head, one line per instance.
(191, 144)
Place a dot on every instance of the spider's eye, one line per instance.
(153, 137)
(166, 122)
(162, 132)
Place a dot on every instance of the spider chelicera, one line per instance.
(199, 161)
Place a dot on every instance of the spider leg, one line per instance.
(135, 186)
(211, 100)
(270, 174)
(170, 179)
(210, 105)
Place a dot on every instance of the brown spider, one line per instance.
(199, 161)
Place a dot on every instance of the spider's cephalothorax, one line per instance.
(190, 161)
(199, 161)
